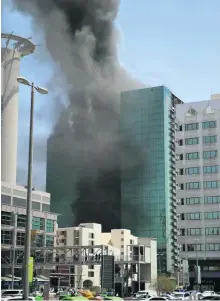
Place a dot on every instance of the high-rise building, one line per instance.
(148, 190)
(198, 168)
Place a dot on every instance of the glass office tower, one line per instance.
(148, 190)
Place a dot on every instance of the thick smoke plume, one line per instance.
(82, 40)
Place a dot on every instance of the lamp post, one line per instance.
(27, 245)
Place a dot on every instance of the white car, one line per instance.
(181, 296)
(169, 297)
(12, 292)
(14, 298)
(158, 298)
(208, 293)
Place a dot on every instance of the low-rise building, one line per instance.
(135, 260)
(13, 217)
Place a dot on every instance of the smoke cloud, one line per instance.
(81, 38)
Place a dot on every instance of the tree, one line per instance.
(164, 284)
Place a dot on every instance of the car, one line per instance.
(212, 297)
(14, 298)
(158, 298)
(11, 292)
(169, 297)
(208, 293)
(181, 296)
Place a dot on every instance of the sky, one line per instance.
(174, 42)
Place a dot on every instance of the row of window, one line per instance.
(196, 170)
(202, 247)
(205, 125)
(199, 215)
(7, 239)
(200, 231)
(198, 185)
(196, 155)
(200, 200)
(38, 223)
(18, 202)
(195, 140)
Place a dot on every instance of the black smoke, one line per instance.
(81, 38)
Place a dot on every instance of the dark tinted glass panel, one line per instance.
(6, 199)
(19, 202)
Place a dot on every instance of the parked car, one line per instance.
(14, 298)
(11, 292)
(158, 298)
(181, 296)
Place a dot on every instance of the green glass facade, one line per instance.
(145, 189)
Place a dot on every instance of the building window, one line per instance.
(192, 171)
(211, 169)
(193, 185)
(212, 199)
(49, 225)
(209, 125)
(18, 202)
(91, 235)
(6, 218)
(194, 247)
(212, 231)
(90, 274)
(91, 242)
(37, 223)
(6, 199)
(212, 247)
(76, 233)
(39, 239)
(193, 201)
(20, 238)
(194, 232)
(6, 237)
(35, 205)
(212, 215)
(209, 139)
(192, 156)
(192, 141)
(210, 184)
(45, 207)
(21, 221)
(91, 267)
(191, 126)
(49, 241)
(76, 241)
(194, 216)
(210, 154)
(122, 239)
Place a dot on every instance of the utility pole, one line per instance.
(14, 238)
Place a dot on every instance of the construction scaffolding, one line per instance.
(61, 261)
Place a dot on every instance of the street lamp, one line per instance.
(27, 245)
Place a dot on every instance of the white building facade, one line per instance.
(127, 250)
(198, 180)
(137, 260)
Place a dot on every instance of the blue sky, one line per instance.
(172, 42)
